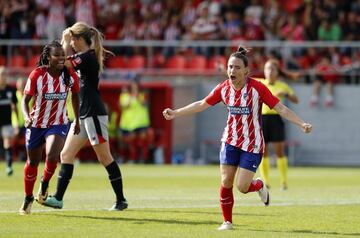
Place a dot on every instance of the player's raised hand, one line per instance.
(66, 36)
(169, 114)
(306, 127)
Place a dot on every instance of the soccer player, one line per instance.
(8, 102)
(47, 123)
(242, 141)
(273, 125)
(88, 62)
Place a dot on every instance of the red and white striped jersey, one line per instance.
(243, 128)
(50, 93)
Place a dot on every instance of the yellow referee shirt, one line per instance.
(275, 88)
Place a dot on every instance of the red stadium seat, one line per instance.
(32, 62)
(17, 61)
(2, 60)
(116, 62)
(176, 62)
(196, 62)
(213, 61)
(158, 61)
(345, 60)
(136, 62)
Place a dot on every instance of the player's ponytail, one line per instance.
(241, 53)
(100, 51)
(93, 38)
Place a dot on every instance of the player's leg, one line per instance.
(268, 131)
(282, 163)
(97, 130)
(53, 146)
(143, 144)
(30, 174)
(7, 132)
(229, 160)
(73, 144)
(249, 162)
(265, 166)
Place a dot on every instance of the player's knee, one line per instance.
(65, 157)
(226, 182)
(242, 188)
(52, 157)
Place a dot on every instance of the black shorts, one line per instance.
(273, 128)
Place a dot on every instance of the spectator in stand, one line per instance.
(110, 20)
(255, 10)
(329, 30)
(172, 32)
(352, 26)
(326, 73)
(8, 103)
(41, 24)
(252, 28)
(56, 20)
(85, 11)
(232, 25)
(205, 28)
(188, 14)
(135, 121)
(128, 33)
(272, 20)
(17, 19)
(293, 30)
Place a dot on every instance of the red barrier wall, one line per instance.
(160, 97)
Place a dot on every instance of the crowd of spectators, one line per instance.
(296, 20)
(234, 20)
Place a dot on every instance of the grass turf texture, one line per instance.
(182, 201)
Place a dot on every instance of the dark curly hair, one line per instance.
(44, 60)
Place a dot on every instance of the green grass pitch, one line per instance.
(182, 201)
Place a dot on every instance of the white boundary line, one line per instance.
(199, 206)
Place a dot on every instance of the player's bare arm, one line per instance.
(192, 108)
(291, 116)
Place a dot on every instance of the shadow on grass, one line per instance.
(136, 220)
(202, 212)
(312, 232)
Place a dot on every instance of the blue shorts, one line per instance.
(231, 155)
(36, 136)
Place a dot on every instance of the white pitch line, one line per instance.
(201, 206)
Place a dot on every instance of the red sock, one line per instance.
(49, 170)
(30, 173)
(226, 203)
(132, 150)
(143, 144)
(255, 185)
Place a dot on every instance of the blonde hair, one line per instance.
(93, 38)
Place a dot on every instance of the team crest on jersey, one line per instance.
(245, 95)
(239, 110)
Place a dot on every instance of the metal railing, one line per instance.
(287, 49)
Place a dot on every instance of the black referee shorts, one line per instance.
(273, 128)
